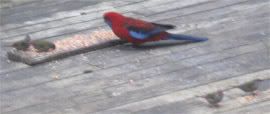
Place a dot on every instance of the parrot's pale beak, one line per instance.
(109, 23)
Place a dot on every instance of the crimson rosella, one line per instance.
(138, 31)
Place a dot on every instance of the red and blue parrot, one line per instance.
(138, 31)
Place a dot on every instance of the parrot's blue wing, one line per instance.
(138, 35)
(142, 34)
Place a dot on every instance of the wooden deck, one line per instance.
(156, 79)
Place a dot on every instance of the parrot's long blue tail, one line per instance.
(186, 37)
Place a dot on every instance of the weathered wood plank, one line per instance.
(207, 9)
(124, 83)
(173, 5)
(50, 25)
(8, 4)
(186, 95)
(255, 108)
(198, 105)
(62, 15)
(126, 98)
(184, 64)
(214, 22)
(40, 11)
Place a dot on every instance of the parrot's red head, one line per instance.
(112, 17)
